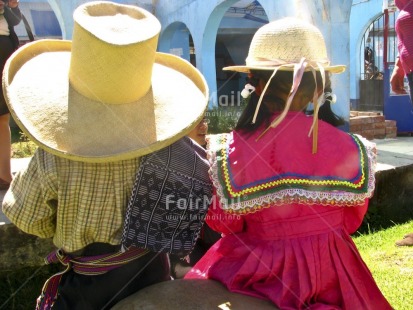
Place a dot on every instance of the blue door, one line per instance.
(397, 107)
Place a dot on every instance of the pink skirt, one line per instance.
(298, 264)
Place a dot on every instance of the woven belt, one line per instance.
(86, 265)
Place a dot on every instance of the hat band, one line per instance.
(266, 62)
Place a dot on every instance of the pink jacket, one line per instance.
(404, 30)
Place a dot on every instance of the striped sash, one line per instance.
(86, 265)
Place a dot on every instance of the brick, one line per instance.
(371, 125)
(367, 119)
(391, 135)
(367, 113)
(379, 133)
(357, 133)
(356, 121)
(367, 126)
(354, 128)
(361, 120)
(390, 123)
(379, 125)
(368, 134)
(391, 130)
(377, 119)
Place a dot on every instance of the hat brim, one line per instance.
(64, 122)
(247, 69)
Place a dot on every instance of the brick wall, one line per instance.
(372, 125)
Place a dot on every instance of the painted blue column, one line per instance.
(332, 18)
(206, 58)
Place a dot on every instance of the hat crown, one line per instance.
(107, 95)
(286, 41)
(108, 44)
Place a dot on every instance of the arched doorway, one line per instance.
(235, 30)
(372, 66)
(42, 20)
(234, 35)
(176, 39)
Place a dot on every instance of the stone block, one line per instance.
(20, 250)
(188, 295)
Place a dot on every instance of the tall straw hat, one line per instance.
(283, 43)
(107, 95)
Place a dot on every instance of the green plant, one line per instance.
(223, 118)
(24, 147)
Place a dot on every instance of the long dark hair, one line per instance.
(281, 83)
(325, 112)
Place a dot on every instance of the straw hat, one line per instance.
(283, 43)
(107, 95)
(289, 44)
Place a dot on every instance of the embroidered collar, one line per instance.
(244, 188)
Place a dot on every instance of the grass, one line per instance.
(391, 266)
(21, 146)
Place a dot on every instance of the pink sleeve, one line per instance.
(353, 216)
(221, 221)
(404, 34)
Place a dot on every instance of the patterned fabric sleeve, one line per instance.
(169, 200)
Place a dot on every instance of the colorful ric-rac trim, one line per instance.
(290, 188)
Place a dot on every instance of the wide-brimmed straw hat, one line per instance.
(289, 44)
(283, 43)
(107, 95)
